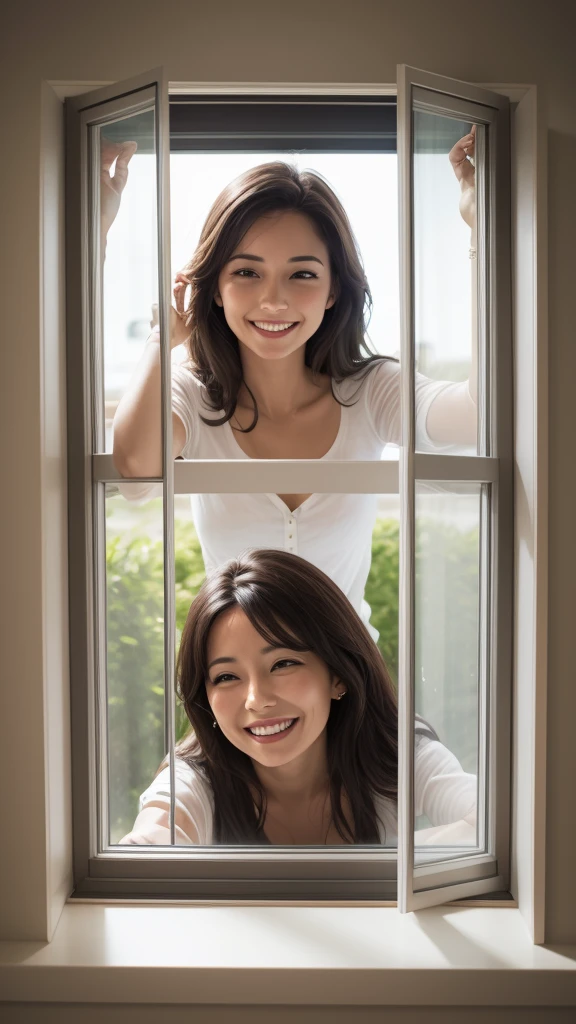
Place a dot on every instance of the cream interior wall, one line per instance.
(317, 40)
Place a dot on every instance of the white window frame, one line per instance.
(531, 471)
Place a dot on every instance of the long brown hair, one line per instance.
(293, 604)
(338, 348)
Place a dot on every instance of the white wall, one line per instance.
(318, 40)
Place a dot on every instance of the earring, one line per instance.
(340, 695)
(214, 724)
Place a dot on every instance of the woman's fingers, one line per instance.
(120, 176)
(178, 331)
(179, 293)
(181, 283)
(459, 158)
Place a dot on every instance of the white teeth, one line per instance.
(269, 730)
(272, 327)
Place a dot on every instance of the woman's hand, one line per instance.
(112, 186)
(465, 173)
(179, 332)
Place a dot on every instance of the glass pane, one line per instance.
(447, 680)
(129, 248)
(445, 285)
(135, 650)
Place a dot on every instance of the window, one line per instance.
(455, 501)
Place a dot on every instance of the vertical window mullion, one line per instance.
(164, 286)
(407, 531)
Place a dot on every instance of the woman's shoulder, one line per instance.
(186, 378)
(373, 376)
(190, 781)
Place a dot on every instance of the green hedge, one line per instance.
(135, 638)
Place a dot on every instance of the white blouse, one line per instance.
(443, 791)
(332, 531)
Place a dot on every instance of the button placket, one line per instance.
(291, 534)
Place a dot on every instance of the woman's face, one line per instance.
(277, 285)
(271, 703)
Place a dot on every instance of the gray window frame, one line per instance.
(364, 873)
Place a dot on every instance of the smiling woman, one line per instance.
(274, 363)
(293, 718)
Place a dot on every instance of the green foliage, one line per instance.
(135, 627)
(381, 591)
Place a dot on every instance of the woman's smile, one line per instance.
(279, 329)
(272, 730)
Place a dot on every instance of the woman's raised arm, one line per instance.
(452, 416)
(137, 422)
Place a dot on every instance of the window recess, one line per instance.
(432, 113)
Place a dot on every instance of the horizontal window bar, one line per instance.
(277, 866)
(291, 889)
(319, 476)
(473, 468)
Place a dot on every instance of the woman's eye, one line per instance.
(245, 272)
(285, 663)
(224, 677)
(305, 275)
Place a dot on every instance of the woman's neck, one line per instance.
(300, 781)
(279, 386)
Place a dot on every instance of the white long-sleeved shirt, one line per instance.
(443, 791)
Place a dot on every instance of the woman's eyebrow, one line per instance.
(260, 259)
(220, 661)
(264, 650)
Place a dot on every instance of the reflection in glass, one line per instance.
(445, 308)
(447, 600)
(129, 252)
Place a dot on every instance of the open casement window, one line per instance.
(97, 125)
(433, 486)
(466, 480)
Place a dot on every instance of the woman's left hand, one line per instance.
(465, 173)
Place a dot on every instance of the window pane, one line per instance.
(447, 681)
(135, 651)
(445, 306)
(130, 269)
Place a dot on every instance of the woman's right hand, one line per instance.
(179, 332)
(112, 186)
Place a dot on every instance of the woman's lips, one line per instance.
(273, 334)
(275, 735)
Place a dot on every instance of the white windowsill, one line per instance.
(289, 955)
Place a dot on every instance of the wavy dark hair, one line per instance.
(292, 604)
(338, 348)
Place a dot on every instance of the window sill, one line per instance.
(289, 955)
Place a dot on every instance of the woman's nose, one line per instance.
(259, 696)
(272, 298)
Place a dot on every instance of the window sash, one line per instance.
(86, 432)
(428, 884)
